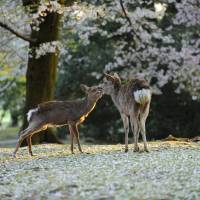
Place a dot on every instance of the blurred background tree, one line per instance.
(43, 52)
(157, 40)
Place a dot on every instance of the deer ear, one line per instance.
(109, 77)
(117, 78)
(84, 88)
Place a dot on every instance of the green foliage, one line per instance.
(12, 100)
(175, 114)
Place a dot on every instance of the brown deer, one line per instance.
(132, 99)
(60, 113)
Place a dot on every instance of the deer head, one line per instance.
(111, 83)
(93, 93)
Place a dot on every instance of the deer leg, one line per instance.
(143, 117)
(72, 139)
(20, 140)
(135, 129)
(126, 130)
(76, 134)
(143, 131)
(28, 139)
(26, 133)
(138, 133)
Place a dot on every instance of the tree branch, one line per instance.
(127, 18)
(7, 85)
(19, 35)
(125, 14)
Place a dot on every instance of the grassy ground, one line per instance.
(170, 171)
(8, 136)
(9, 133)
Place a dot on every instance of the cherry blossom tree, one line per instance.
(156, 40)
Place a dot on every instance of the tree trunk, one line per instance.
(41, 72)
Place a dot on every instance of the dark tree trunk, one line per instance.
(41, 72)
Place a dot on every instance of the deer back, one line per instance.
(56, 112)
(61, 112)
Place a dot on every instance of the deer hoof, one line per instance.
(136, 149)
(85, 152)
(126, 150)
(31, 154)
(146, 150)
(14, 155)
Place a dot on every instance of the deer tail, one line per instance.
(30, 114)
(142, 96)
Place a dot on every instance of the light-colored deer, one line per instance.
(132, 99)
(60, 113)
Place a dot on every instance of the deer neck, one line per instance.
(115, 98)
(88, 106)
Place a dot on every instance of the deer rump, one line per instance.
(141, 91)
(142, 96)
(53, 113)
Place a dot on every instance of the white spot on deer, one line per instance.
(30, 113)
(142, 96)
